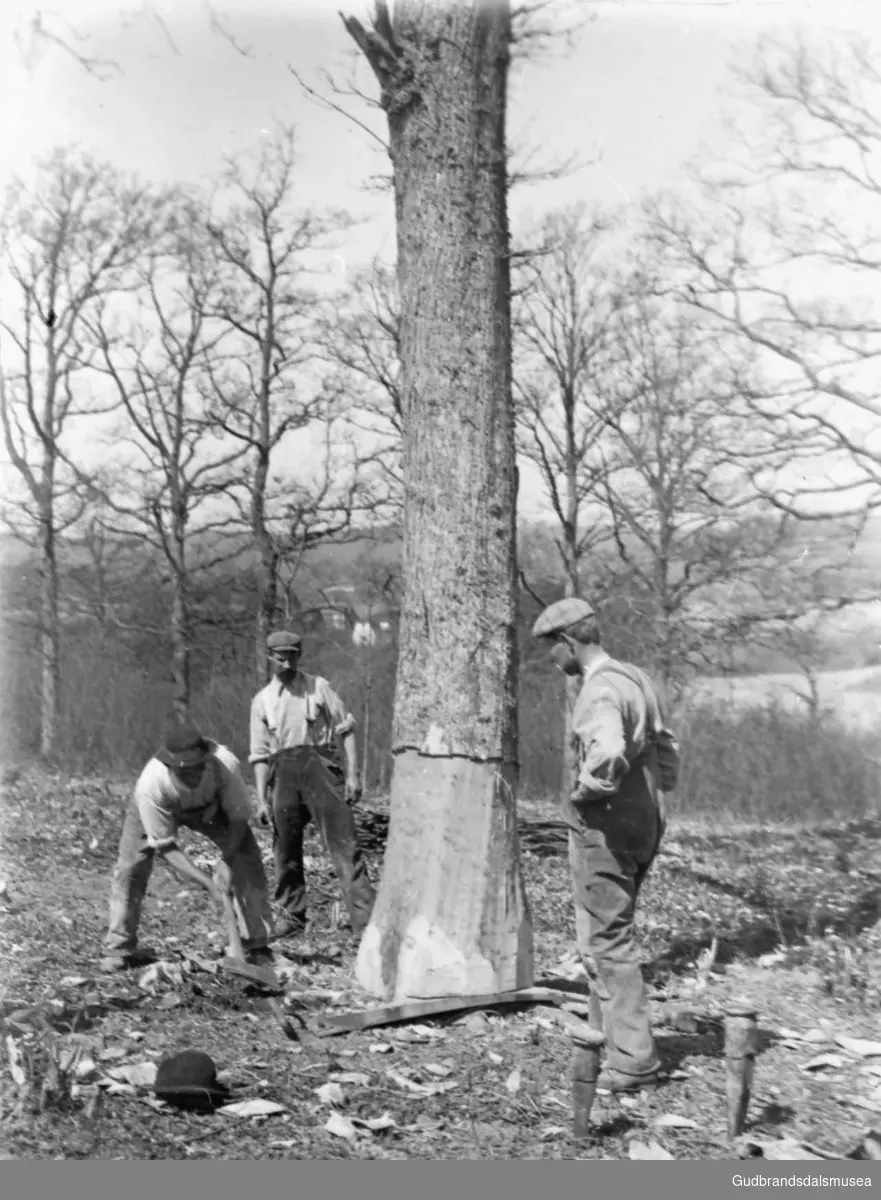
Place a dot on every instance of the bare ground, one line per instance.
(494, 1085)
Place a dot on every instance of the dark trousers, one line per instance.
(304, 787)
(612, 845)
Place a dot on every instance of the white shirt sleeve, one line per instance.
(154, 796)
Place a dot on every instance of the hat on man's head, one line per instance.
(189, 1079)
(558, 617)
(283, 640)
(183, 746)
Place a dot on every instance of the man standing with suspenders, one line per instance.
(627, 759)
(298, 722)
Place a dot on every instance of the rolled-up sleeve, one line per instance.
(154, 808)
(598, 724)
(343, 720)
(261, 739)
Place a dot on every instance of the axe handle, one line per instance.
(232, 927)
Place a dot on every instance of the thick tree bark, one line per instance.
(451, 916)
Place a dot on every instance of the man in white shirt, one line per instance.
(627, 760)
(190, 782)
(300, 731)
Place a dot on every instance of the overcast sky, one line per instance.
(639, 93)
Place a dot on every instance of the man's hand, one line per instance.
(581, 793)
(263, 817)
(354, 791)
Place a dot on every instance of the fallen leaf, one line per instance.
(252, 1108)
(151, 977)
(142, 1074)
(475, 1022)
(494, 1058)
(155, 1102)
(356, 1077)
(420, 1089)
(115, 1087)
(340, 1126)
(628, 1101)
(772, 959)
(93, 844)
(824, 1060)
(375, 1124)
(169, 1001)
(410, 1036)
(284, 1145)
(553, 1131)
(860, 1046)
(639, 1150)
(380, 1048)
(786, 1150)
(73, 981)
(113, 1052)
(437, 1070)
(673, 1121)
(329, 1093)
(512, 1083)
(15, 1067)
(85, 1067)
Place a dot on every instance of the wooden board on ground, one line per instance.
(418, 1010)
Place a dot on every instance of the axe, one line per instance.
(234, 962)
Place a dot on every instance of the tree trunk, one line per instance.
(267, 571)
(573, 586)
(451, 916)
(50, 623)
(180, 632)
(50, 638)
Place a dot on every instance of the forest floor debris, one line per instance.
(794, 931)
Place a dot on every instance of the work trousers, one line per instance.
(303, 786)
(134, 866)
(612, 845)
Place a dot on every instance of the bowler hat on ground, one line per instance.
(557, 617)
(189, 1079)
(283, 640)
(183, 746)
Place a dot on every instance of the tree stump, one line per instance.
(741, 1048)
(586, 1044)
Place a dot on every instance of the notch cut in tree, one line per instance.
(451, 916)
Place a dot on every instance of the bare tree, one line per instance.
(69, 242)
(268, 386)
(785, 254)
(564, 321)
(682, 448)
(158, 362)
(361, 341)
(451, 916)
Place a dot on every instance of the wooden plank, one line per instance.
(417, 1010)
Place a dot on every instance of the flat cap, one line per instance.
(561, 615)
(283, 639)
